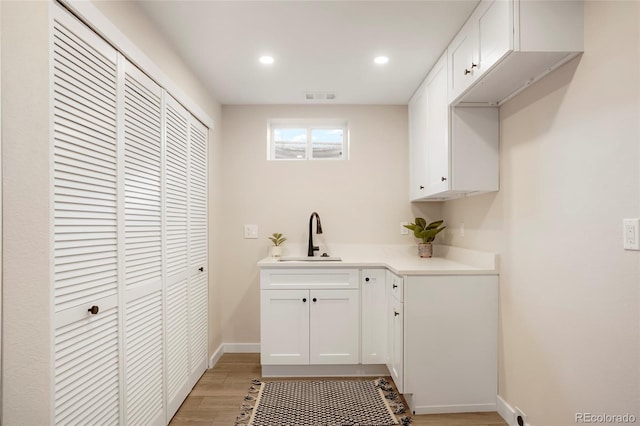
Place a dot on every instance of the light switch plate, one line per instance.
(403, 230)
(631, 234)
(251, 231)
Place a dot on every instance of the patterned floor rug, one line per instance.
(325, 402)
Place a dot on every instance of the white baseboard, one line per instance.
(242, 348)
(441, 409)
(506, 412)
(225, 348)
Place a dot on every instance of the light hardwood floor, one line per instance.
(216, 399)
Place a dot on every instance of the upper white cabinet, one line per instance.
(508, 44)
(454, 151)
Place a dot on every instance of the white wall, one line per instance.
(26, 373)
(360, 201)
(570, 171)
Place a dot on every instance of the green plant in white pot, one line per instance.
(277, 239)
(427, 233)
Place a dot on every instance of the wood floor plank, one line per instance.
(216, 398)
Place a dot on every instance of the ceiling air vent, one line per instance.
(320, 96)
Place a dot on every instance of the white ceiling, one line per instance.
(318, 46)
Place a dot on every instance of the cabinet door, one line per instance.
(463, 59)
(86, 372)
(418, 143)
(143, 271)
(373, 303)
(334, 327)
(495, 32)
(284, 327)
(397, 344)
(437, 117)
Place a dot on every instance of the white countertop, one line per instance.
(400, 259)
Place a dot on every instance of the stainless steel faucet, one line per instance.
(313, 248)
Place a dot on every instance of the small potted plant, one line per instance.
(426, 233)
(277, 239)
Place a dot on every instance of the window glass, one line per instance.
(290, 143)
(312, 139)
(327, 143)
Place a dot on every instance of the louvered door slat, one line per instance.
(84, 108)
(142, 217)
(176, 187)
(143, 324)
(86, 365)
(198, 299)
(177, 338)
(143, 171)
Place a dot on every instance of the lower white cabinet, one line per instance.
(394, 315)
(450, 343)
(319, 326)
(373, 302)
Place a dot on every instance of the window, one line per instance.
(308, 140)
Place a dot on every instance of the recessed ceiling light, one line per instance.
(381, 60)
(267, 60)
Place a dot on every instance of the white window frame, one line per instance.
(309, 125)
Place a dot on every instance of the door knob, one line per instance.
(94, 310)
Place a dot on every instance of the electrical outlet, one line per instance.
(251, 231)
(631, 234)
(521, 418)
(403, 230)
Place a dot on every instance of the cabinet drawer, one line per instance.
(397, 286)
(333, 278)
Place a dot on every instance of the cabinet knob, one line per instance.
(201, 269)
(394, 286)
(314, 299)
(367, 279)
(94, 310)
(467, 71)
(395, 314)
(304, 299)
(421, 187)
(443, 178)
(473, 65)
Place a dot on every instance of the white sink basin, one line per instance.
(309, 259)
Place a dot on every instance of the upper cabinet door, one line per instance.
(463, 59)
(495, 33)
(438, 142)
(418, 143)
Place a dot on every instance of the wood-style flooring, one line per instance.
(216, 399)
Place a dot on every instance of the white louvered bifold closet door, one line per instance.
(176, 214)
(198, 283)
(86, 345)
(143, 272)
(129, 219)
